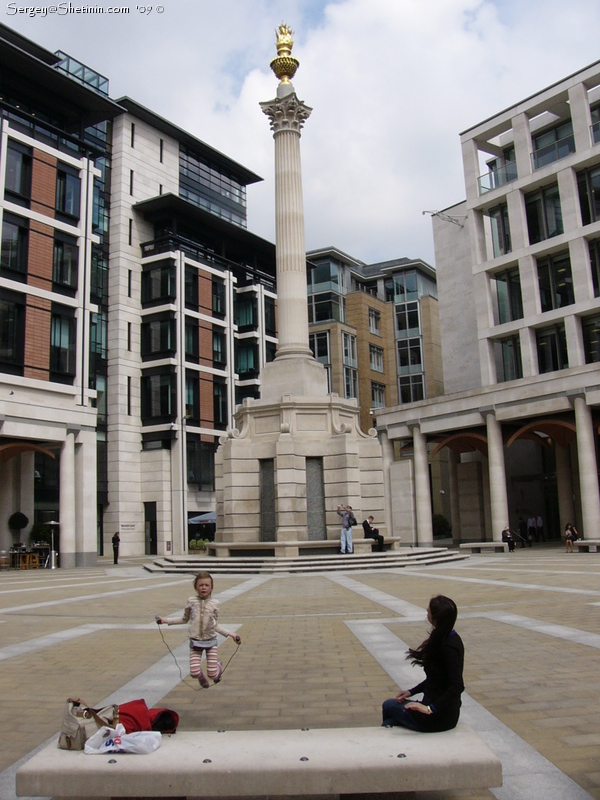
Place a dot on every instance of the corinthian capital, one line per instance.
(286, 113)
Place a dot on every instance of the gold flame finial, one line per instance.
(285, 65)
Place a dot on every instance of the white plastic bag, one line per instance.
(115, 740)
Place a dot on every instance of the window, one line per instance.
(133, 134)
(161, 149)
(270, 352)
(191, 287)
(508, 295)
(556, 283)
(158, 283)
(376, 358)
(588, 184)
(131, 182)
(590, 327)
(158, 396)
(544, 215)
(319, 344)
(220, 404)
(245, 311)
(553, 144)
(99, 275)
(219, 348)
(374, 321)
(407, 320)
(594, 248)
(508, 359)
(325, 307)
(210, 186)
(129, 337)
(65, 263)
(15, 246)
(349, 349)
(552, 349)
(501, 171)
(411, 388)
(17, 186)
(129, 395)
(12, 332)
(377, 395)
(158, 337)
(191, 340)
(350, 382)
(62, 344)
(409, 356)
(192, 397)
(98, 334)
(218, 298)
(406, 286)
(200, 462)
(270, 319)
(129, 282)
(130, 233)
(68, 192)
(595, 129)
(500, 230)
(324, 277)
(246, 358)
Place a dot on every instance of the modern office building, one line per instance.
(136, 309)
(518, 269)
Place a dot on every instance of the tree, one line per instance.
(16, 522)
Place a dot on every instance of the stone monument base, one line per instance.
(281, 473)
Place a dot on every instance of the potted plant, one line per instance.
(16, 523)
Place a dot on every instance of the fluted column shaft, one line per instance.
(497, 476)
(67, 502)
(422, 489)
(588, 468)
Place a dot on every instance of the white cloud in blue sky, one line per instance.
(391, 82)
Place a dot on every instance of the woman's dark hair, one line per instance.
(443, 616)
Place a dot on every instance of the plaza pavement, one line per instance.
(322, 651)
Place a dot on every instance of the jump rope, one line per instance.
(237, 640)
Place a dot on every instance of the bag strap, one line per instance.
(101, 722)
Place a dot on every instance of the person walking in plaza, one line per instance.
(201, 615)
(116, 541)
(571, 536)
(539, 525)
(348, 520)
(531, 529)
(373, 533)
(442, 657)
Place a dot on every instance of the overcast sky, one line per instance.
(392, 84)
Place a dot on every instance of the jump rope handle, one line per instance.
(238, 639)
(157, 620)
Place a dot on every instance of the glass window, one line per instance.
(219, 348)
(211, 187)
(191, 287)
(218, 297)
(544, 215)
(551, 145)
(99, 275)
(98, 333)
(65, 263)
(200, 462)
(319, 344)
(374, 321)
(68, 191)
(349, 350)
(407, 320)
(246, 361)
(220, 404)
(158, 396)
(192, 397)
(350, 382)
(325, 307)
(191, 339)
(594, 248)
(377, 395)
(552, 349)
(500, 230)
(590, 327)
(406, 286)
(245, 311)
(376, 358)
(409, 356)
(411, 388)
(15, 246)
(157, 334)
(270, 318)
(508, 295)
(17, 186)
(158, 283)
(508, 359)
(12, 332)
(555, 281)
(588, 184)
(62, 345)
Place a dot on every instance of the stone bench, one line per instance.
(253, 763)
(296, 548)
(587, 545)
(481, 547)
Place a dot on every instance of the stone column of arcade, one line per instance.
(497, 473)
(422, 489)
(67, 502)
(588, 468)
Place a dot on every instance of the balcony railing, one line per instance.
(498, 177)
(553, 152)
(595, 129)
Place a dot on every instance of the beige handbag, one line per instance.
(80, 722)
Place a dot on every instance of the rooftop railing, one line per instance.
(88, 77)
(553, 152)
(498, 177)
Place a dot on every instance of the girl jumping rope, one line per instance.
(201, 614)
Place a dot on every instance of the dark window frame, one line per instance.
(555, 291)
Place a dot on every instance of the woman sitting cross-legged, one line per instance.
(442, 656)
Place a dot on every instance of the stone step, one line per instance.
(325, 563)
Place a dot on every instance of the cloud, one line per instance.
(391, 85)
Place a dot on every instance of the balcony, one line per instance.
(498, 177)
(553, 152)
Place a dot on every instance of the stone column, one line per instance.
(588, 468)
(387, 452)
(564, 483)
(497, 473)
(422, 489)
(86, 538)
(67, 502)
(454, 501)
(27, 490)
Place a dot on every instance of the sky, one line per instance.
(392, 83)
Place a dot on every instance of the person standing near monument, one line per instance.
(116, 541)
(373, 533)
(348, 520)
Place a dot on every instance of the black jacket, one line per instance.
(443, 685)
